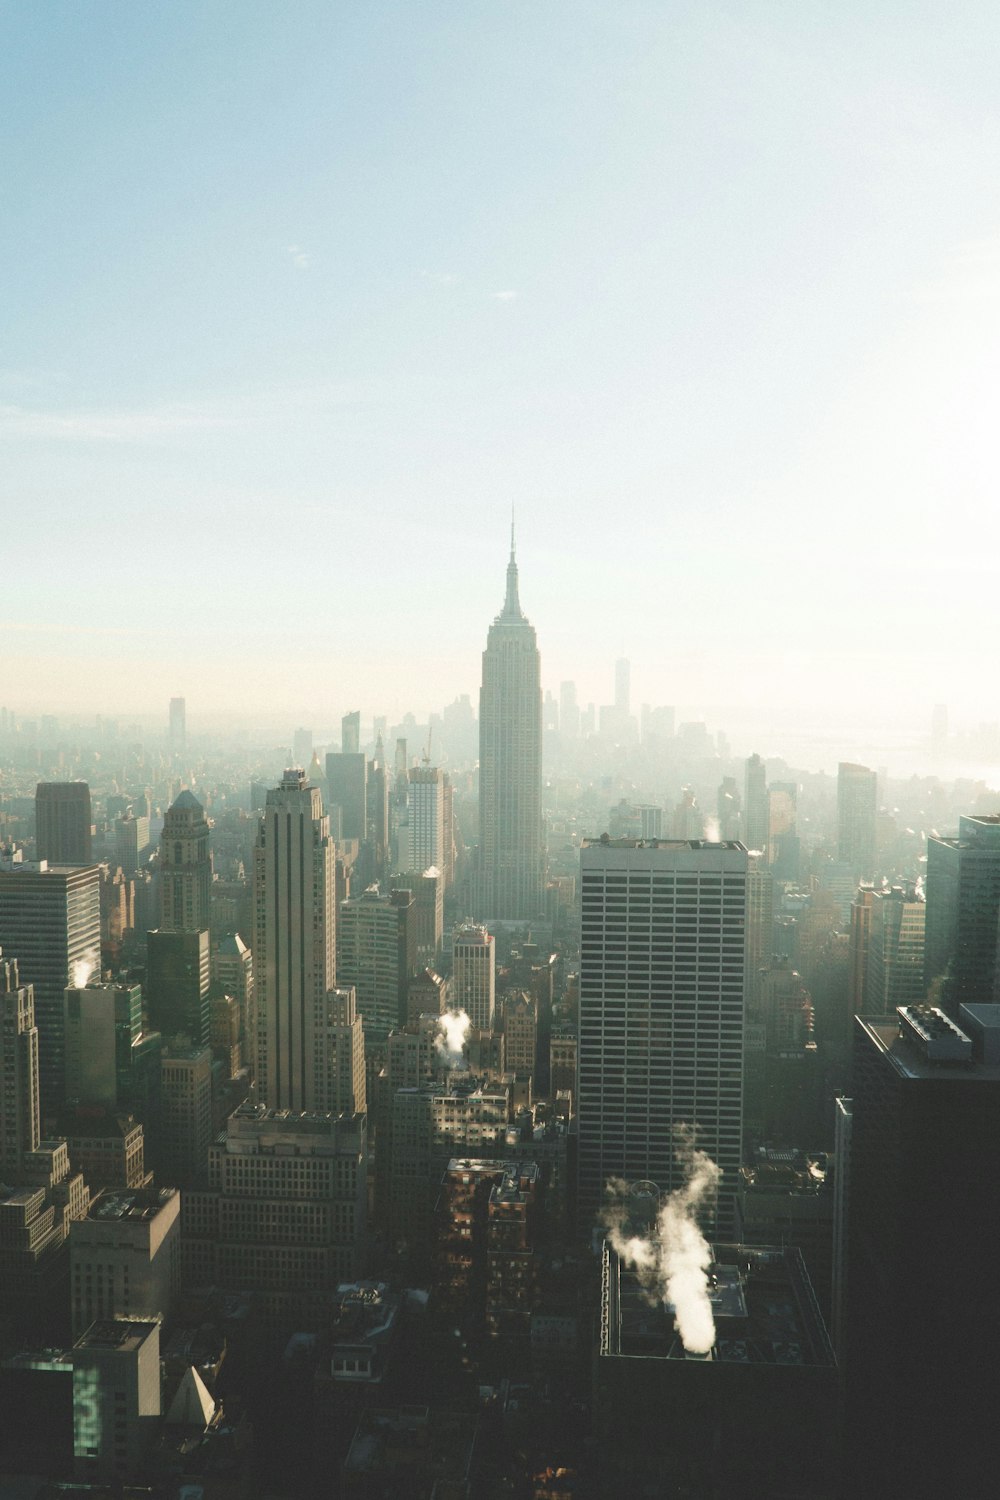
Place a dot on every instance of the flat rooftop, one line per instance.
(909, 1061)
(137, 1207)
(610, 843)
(122, 1334)
(762, 1301)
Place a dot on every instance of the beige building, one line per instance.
(345, 1053)
(125, 1257)
(185, 1112)
(520, 1025)
(283, 1214)
(294, 944)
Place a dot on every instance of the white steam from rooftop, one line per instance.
(712, 830)
(672, 1259)
(453, 1031)
(83, 970)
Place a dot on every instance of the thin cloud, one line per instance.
(20, 423)
(300, 258)
(503, 296)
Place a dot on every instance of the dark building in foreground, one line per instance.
(756, 1416)
(963, 903)
(923, 1302)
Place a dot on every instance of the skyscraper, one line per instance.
(294, 944)
(426, 812)
(474, 981)
(50, 921)
(857, 796)
(510, 765)
(63, 822)
(376, 954)
(185, 867)
(662, 980)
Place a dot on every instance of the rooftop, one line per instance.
(910, 1060)
(124, 1334)
(135, 1207)
(762, 1301)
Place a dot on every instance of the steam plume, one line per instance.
(712, 830)
(453, 1029)
(83, 969)
(672, 1261)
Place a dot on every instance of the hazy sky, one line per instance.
(298, 298)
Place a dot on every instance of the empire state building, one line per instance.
(510, 765)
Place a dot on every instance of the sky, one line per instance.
(298, 301)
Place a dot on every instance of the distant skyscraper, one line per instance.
(350, 733)
(50, 921)
(569, 711)
(473, 987)
(294, 943)
(755, 804)
(185, 867)
(857, 798)
(662, 978)
(347, 786)
(510, 765)
(178, 725)
(63, 822)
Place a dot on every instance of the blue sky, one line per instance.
(297, 300)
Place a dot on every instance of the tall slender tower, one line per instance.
(294, 946)
(185, 867)
(510, 765)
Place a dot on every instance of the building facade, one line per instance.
(63, 822)
(662, 980)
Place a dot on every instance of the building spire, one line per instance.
(512, 604)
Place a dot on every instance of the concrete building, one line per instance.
(116, 1399)
(125, 1257)
(473, 984)
(662, 989)
(427, 886)
(63, 822)
(520, 1029)
(283, 1212)
(347, 787)
(110, 1060)
(106, 1146)
(231, 970)
(50, 921)
(510, 766)
(426, 995)
(376, 955)
(750, 1417)
(857, 804)
(185, 867)
(185, 1112)
(132, 846)
(295, 924)
(755, 805)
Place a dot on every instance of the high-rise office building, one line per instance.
(231, 967)
(63, 822)
(50, 921)
(19, 1125)
(295, 943)
(857, 801)
(426, 814)
(755, 804)
(344, 1045)
(510, 765)
(376, 954)
(427, 886)
(662, 980)
(922, 1303)
(185, 867)
(131, 841)
(125, 1256)
(963, 903)
(110, 1060)
(178, 725)
(473, 986)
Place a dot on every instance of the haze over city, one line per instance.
(298, 304)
